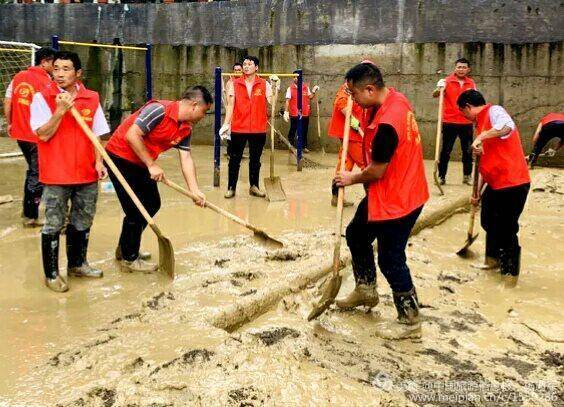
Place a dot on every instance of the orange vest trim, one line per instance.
(451, 113)
(337, 123)
(249, 114)
(552, 117)
(68, 158)
(403, 187)
(306, 108)
(24, 86)
(167, 134)
(502, 164)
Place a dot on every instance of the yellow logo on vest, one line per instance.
(86, 114)
(258, 92)
(412, 128)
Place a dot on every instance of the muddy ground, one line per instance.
(140, 340)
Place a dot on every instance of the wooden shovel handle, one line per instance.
(439, 124)
(90, 134)
(475, 194)
(272, 117)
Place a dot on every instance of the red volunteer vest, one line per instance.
(167, 134)
(451, 114)
(249, 114)
(502, 165)
(552, 117)
(294, 100)
(403, 187)
(337, 123)
(68, 157)
(24, 86)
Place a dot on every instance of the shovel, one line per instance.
(260, 235)
(438, 140)
(333, 284)
(166, 252)
(317, 102)
(475, 193)
(272, 184)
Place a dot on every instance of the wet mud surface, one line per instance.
(140, 340)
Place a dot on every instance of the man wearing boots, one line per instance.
(504, 170)
(396, 190)
(16, 109)
(551, 126)
(69, 167)
(246, 121)
(134, 148)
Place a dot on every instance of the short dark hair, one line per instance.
(44, 53)
(237, 64)
(470, 97)
(69, 56)
(198, 93)
(251, 58)
(462, 61)
(365, 74)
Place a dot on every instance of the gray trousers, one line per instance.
(56, 198)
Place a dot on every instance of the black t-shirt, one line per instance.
(384, 144)
(150, 116)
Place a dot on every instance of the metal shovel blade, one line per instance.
(267, 240)
(330, 291)
(166, 253)
(464, 251)
(274, 190)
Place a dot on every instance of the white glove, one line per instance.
(225, 132)
(276, 80)
(441, 83)
(550, 152)
(286, 116)
(315, 89)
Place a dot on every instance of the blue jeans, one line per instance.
(391, 236)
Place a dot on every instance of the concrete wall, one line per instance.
(515, 47)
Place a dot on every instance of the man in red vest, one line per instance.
(551, 126)
(16, 109)
(454, 123)
(291, 111)
(69, 167)
(396, 190)
(504, 170)
(246, 121)
(134, 148)
(355, 155)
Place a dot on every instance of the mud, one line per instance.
(139, 340)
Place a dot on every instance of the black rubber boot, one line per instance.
(532, 159)
(77, 248)
(407, 306)
(50, 255)
(510, 266)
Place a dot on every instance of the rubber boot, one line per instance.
(407, 306)
(363, 294)
(50, 255)
(510, 266)
(532, 160)
(143, 255)
(77, 248)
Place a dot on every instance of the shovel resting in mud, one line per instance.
(272, 184)
(260, 235)
(166, 252)
(475, 193)
(333, 283)
(438, 140)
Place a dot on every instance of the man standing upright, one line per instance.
(454, 123)
(291, 111)
(246, 120)
(16, 109)
(396, 190)
(69, 167)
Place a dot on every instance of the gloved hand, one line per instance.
(441, 83)
(550, 152)
(355, 123)
(286, 116)
(315, 89)
(225, 132)
(274, 78)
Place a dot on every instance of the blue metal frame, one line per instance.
(148, 73)
(299, 129)
(217, 126)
